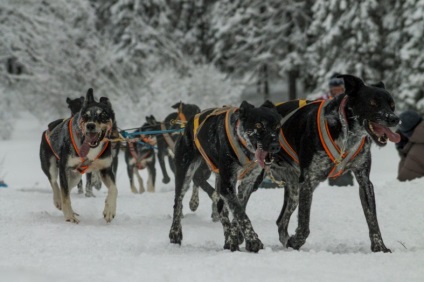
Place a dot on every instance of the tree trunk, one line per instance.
(292, 76)
(263, 82)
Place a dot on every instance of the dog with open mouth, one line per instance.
(322, 139)
(227, 141)
(79, 145)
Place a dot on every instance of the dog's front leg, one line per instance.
(305, 201)
(227, 191)
(64, 176)
(366, 193)
(108, 178)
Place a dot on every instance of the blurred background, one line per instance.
(146, 55)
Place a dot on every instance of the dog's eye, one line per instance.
(392, 106)
(373, 102)
(258, 125)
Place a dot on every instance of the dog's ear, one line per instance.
(89, 96)
(177, 105)
(352, 83)
(244, 108)
(105, 100)
(68, 100)
(268, 104)
(379, 85)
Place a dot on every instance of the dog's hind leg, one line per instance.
(151, 170)
(161, 158)
(89, 185)
(186, 165)
(130, 170)
(57, 199)
(306, 190)
(108, 178)
(49, 165)
(291, 200)
(200, 178)
(80, 189)
(366, 193)
(194, 200)
(140, 181)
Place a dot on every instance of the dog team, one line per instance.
(299, 142)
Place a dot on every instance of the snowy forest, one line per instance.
(147, 54)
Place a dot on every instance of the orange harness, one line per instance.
(138, 159)
(81, 168)
(244, 160)
(339, 157)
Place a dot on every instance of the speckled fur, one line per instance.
(189, 162)
(315, 165)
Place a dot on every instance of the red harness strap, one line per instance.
(326, 145)
(138, 159)
(83, 168)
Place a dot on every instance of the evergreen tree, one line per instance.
(346, 36)
(259, 38)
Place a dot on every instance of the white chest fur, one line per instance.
(92, 160)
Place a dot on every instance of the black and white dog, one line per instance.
(75, 106)
(321, 139)
(140, 154)
(166, 145)
(78, 145)
(166, 141)
(227, 141)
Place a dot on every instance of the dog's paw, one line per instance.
(380, 248)
(72, 218)
(176, 235)
(109, 213)
(254, 245)
(294, 243)
(166, 180)
(231, 245)
(194, 204)
(215, 217)
(58, 204)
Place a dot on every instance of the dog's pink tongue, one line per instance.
(85, 147)
(394, 137)
(260, 156)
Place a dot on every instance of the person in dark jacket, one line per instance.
(411, 146)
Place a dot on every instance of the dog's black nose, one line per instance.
(274, 147)
(90, 126)
(393, 120)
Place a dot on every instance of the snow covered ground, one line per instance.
(36, 244)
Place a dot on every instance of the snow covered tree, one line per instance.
(410, 39)
(259, 39)
(347, 37)
(57, 47)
